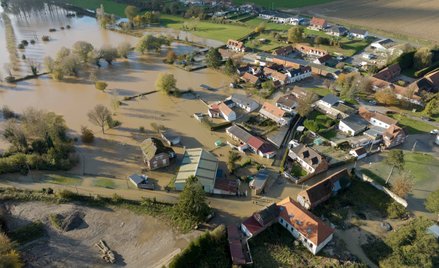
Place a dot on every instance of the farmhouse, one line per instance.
(287, 103)
(274, 113)
(310, 51)
(318, 24)
(155, 154)
(234, 45)
(200, 163)
(352, 125)
(221, 110)
(323, 190)
(358, 33)
(302, 224)
(309, 159)
(429, 83)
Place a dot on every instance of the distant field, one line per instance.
(283, 3)
(221, 32)
(405, 19)
(110, 6)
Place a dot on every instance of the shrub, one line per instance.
(32, 41)
(51, 30)
(142, 129)
(7, 113)
(20, 46)
(56, 221)
(113, 123)
(395, 211)
(87, 135)
(101, 85)
(10, 79)
(45, 38)
(68, 27)
(311, 125)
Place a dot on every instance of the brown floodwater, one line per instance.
(116, 152)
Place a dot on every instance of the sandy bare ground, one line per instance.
(414, 18)
(137, 240)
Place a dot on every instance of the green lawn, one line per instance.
(104, 182)
(421, 166)
(269, 45)
(283, 3)
(321, 91)
(221, 32)
(413, 126)
(63, 180)
(110, 6)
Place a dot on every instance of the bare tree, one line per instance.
(403, 184)
(99, 116)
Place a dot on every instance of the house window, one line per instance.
(281, 221)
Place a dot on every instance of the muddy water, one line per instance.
(117, 152)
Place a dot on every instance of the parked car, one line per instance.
(434, 131)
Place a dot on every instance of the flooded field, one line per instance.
(117, 152)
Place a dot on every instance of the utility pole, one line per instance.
(414, 145)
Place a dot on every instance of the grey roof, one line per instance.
(358, 31)
(137, 179)
(330, 99)
(277, 137)
(355, 122)
(375, 131)
(198, 162)
(288, 100)
(152, 147)
(239, 133)
(243, 100)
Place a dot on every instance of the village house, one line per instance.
(383, 45)
(155, 154)
(221, 110)
(283, 51)
(323, 59)
(274, 113)
(394, 136)
(309, 50)
(309, 159)
(259, 181)
(318, 24)
(278, 17)
(352, 125)
(200, 163)
(428, 83)
(391, 134)
(243, 69)
(358, 33)
(389, 73)
(248, 141)
(337, 30)
(243, 102)
(358, 153)
(299, 92)
(234, 45)
(170, 137)
(325, 189)
(312, 232)
(334, 107)
(401, 93)
(288, 103)
(225, 186)
(250, 79)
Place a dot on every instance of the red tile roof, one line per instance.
(253, 225)
(255, 142)
(304, 221)
(249, 78)
(234, 43)
(318, 21)
(270, 108)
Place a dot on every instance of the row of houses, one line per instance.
(225, 109)
(279, 74)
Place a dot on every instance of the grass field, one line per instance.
(63, 180)
(421, 166)
(321, 91)
(104, 182)
(221, 32)
(110, 6)
(283, 3)
(413, 126)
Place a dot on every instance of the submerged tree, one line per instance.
(123, 49)
(213, 58)
(99, 116)
(166, 83)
